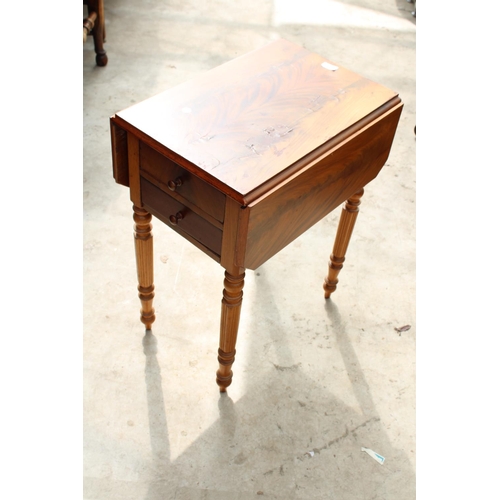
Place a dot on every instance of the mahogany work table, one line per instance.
(243, 159)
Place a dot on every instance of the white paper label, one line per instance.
(329, 66)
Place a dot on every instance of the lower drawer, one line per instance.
(167, 209)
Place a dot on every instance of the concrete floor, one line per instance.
(314, 380)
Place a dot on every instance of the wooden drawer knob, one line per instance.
(173, 185)
(174, 219)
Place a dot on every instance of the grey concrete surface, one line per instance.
(314, 380)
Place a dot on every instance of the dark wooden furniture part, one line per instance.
(94, 25)
(243, 159)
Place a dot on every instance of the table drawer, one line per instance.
(167, 175)
(167, 209)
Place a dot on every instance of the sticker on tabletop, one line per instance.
(329, 66)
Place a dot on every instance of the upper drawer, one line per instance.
(170, 176)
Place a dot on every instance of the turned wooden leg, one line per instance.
(344, 232)
(88, 25)
(144, 259)
(101, 57)
(98, 31)
(229, 321)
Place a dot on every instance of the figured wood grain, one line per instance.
(288, 210)
(246, 121)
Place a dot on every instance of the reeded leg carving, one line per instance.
(229, 322)
(144, 259)
(344, 232)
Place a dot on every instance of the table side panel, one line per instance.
(287, 211)
(134, 170)
(119, 154)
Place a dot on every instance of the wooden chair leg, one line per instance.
(101, 58)
(100, 10)
(230, 319)
(344, 232)
(88, 25)
(98, 30)
(144, 260)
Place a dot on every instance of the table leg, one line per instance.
(344, 232)
(144, 260)
(230, 318)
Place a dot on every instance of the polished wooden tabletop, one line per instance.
(242, 124)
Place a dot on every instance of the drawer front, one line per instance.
(167, 175)
(166, 208)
